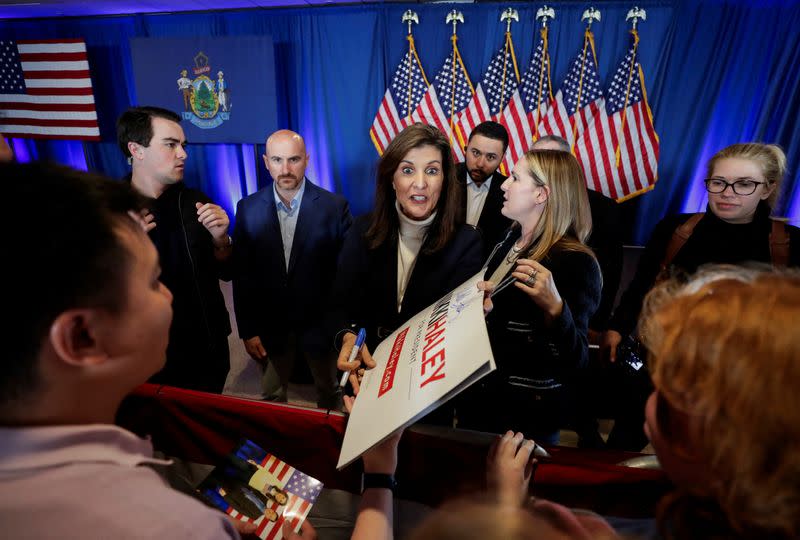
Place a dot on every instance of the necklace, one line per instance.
(513, 255)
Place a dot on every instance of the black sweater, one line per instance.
(535, 361)
(713, 241)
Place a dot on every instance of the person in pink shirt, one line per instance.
(89, 322)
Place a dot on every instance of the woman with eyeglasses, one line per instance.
(743, 184)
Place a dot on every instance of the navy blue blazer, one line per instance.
(269, 300)
(366, 288)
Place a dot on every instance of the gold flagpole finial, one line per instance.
(410, 17)
(589, 16)
(509, 15)
(454, 17)
(544, 14)
(636, 13)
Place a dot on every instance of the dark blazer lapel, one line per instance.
(272, 240)
(386, 259)
(461, 183)
(305, 222)
(494, 202)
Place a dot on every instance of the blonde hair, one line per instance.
(769, 157)
(566, 220)
(726, 352)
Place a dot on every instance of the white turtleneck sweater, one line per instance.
(411, 236)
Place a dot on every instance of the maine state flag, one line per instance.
(222, 87)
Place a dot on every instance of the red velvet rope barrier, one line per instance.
(203, 428)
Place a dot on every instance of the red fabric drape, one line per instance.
(202, 428)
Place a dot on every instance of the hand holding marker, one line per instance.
(362, 334)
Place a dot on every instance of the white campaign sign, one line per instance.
(432, 357)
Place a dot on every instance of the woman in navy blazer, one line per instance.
(412, 249)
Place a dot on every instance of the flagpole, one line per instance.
(508, 15)
(580, 90)
(627, 90)
(453, 17)
(463, 69)
(411, 17)
(454, 39)
(456, 17)
(543, 33)
(634, 14)
(542, 13)
(589, 15)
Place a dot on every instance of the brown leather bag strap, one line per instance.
(779, 244)
(679, 238)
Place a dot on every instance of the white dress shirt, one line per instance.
(476, 198)
(287, 219)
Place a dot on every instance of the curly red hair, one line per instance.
(725, 352)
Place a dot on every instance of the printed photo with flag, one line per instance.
(405, 91)
(252, 485)
(46, 90)
(579, 99)
(528, 105)
(498, 84)
(628, 123)
(450, 92)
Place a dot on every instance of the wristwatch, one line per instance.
(377, 480)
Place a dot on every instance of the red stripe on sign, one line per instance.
(387, 381)
(59, 91)
(300, 515)
(77, 74)
(68, 107)
(277, 527)
(48, 122)
(284, 470)
(53, 57)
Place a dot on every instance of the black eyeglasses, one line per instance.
(740, 187)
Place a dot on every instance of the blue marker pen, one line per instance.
(362, 335)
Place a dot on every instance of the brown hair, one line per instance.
(724, 353)
(769, 157)
(92, 272)
(136, 125)
(566, 220)
(385, 224)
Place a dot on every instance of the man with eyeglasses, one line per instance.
(742, 184)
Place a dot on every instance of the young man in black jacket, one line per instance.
(191, 236)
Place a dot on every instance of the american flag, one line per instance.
(579, 99)
(528, 104)
(302, 491)
(46, 90)
(495, 89)
(401, 98)
(445, 98)
(633, 167)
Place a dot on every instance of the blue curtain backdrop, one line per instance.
(717, 72)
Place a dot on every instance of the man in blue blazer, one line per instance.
(287, 237)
